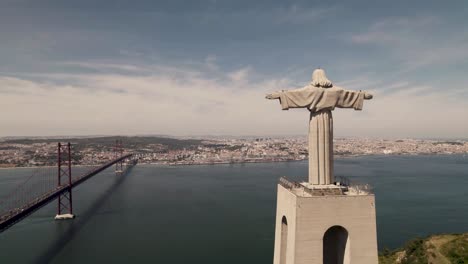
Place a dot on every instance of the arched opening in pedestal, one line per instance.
(284, 240)
(336, 246)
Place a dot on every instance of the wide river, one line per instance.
(225, 213)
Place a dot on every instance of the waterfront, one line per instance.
(179, 151)
(225, 213)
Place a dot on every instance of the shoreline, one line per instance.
(46, 166)
(253, 161)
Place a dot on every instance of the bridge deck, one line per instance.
(14, 216)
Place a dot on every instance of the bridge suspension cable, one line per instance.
(47, 184)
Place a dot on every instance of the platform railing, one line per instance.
(348, 186)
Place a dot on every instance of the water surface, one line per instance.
(225, 213)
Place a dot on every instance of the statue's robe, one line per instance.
(320, 102)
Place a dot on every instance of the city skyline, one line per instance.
(167, 151)
(204, 67)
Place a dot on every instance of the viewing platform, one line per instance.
(341, 187)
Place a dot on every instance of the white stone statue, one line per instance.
(320, 97)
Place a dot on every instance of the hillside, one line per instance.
(436, 249)
(109, 141)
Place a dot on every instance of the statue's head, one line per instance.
(319, 79)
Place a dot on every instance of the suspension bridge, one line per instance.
(48, 184)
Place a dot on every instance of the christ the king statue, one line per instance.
(320, 97)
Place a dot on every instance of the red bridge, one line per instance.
(43, 187)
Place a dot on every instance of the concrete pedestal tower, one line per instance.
(324, 220)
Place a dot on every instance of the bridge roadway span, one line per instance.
(14, 216)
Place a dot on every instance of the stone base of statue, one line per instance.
(324, 224)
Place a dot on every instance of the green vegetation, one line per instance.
(413, 252)
(437, 249)
(457, 250)
(388, 257)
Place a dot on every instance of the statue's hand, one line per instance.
(368, 96)
(272, 96)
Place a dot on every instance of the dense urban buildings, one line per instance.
(172, 151)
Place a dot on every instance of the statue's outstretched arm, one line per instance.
(353, 99)
(277, 94)
(368, 96)
(274, 95)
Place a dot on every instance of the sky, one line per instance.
(188, 68)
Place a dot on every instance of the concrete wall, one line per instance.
(286, 206)
(310, 217)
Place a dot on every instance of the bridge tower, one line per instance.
(65, 201)
(118, 153)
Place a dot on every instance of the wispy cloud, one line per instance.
(299, 15)
(100, 66)
(392, 31)
(240, 75)
(412, 42)
(185, 101)
(411, 112)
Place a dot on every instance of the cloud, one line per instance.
(21, 87)
(181, 103)
(416, 42)
(240, 75)
(106, 66)
(298, 15)
(413, 112)
(186, 101)
(391, 31)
